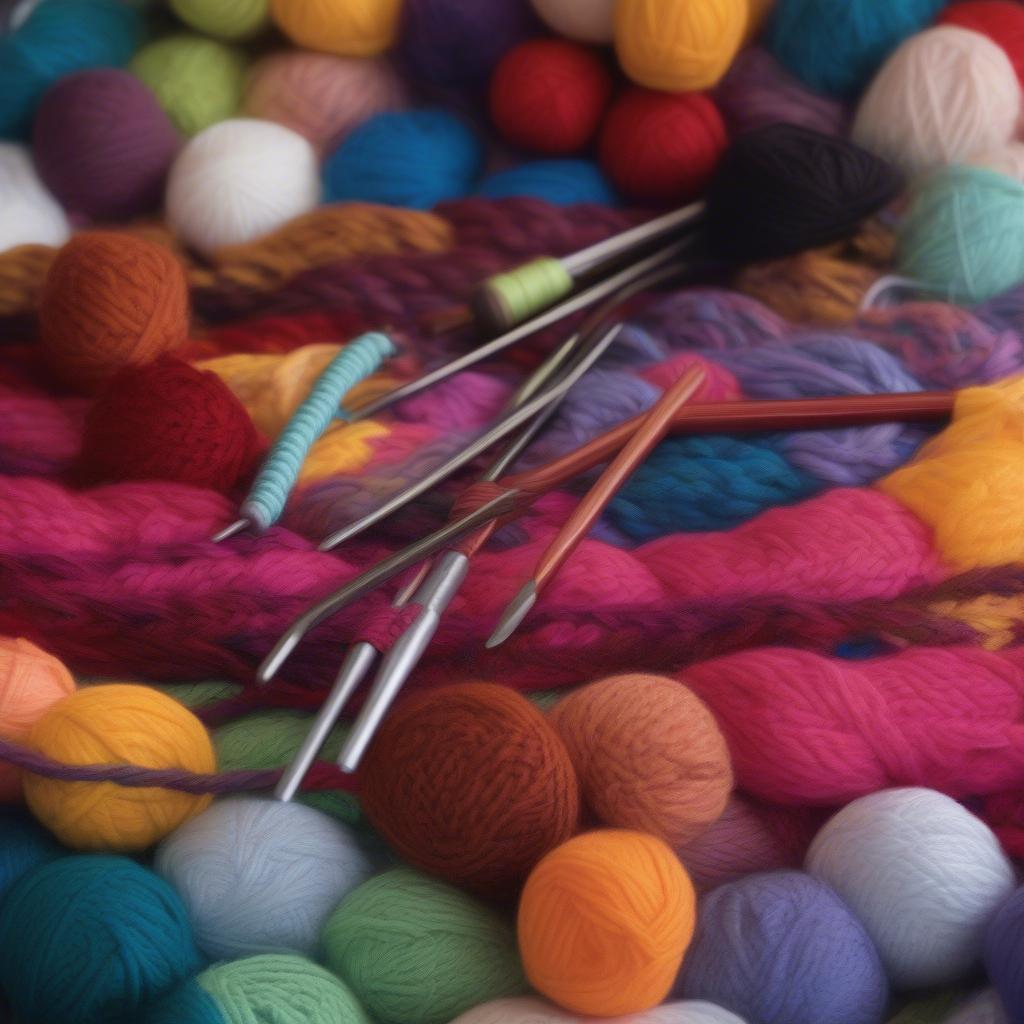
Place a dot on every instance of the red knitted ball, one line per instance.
(1001, 20)
(549, 95)
(470, 782)
(169, 421)
(662, 146)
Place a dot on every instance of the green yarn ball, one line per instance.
(417, 951)
(198, 81)
(227, 19)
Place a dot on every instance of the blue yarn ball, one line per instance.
(1004, 955)
(24, 845)
(92, 939)
(415, 158)
(561, 182)
(59, 37)
(782, 948)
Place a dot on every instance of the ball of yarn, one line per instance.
(31, 682)
(589, 21)
(549, 95)
(91, 940)
(416, 951)
(469, 782)
(320, 96)
(103, 145)
(781, 948)
(1004, 943)
(118, 724)
(529, 1010)
(1001, 20)
(922, 874)
(269, 171)
(836, 48)
(198, 81)
(260, 876)
(110, 301)
(561, 182)
(604, 921)
(414, 159)
(227, 19)
(942, 97)
(679, 47)
(662, 147)
(31, 215)
(349, 28)
(984, 1008)
(648, 754)
(24, 846)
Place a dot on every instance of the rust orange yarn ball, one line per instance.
(469, 782)
(111, 300)
(649, 755)
(604, 923)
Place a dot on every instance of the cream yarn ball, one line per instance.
(29, 215)
(530, 1010)
(589, 21)
(238, 180)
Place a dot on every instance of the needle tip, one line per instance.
(275, 659)
(516, 611)
(229, 531)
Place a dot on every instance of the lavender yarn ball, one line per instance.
(103, 144)
(1004, 955)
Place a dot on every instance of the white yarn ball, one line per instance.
(29, 215)
(923, 875)
(528, 1010)
(238, 180)
(1008, 160)
(590, 21)
(261, 876)
(944, 96)
(984, 1008)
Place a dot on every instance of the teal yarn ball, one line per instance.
(24, 845)
(414, 158)
(561, 182)
(92, 939)
(962, 237)
(59, 37)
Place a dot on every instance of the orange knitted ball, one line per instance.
(604, 922)
(470, 782)
(649, 755)
(111, 300)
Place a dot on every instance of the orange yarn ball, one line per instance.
(111, 300)
(471, 783)
(350, 28)
(649, 755)
(31, 682)
(604, 922)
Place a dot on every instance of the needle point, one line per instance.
(516, 611)
(229, 531)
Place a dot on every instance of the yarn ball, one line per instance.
(837, 48)
(349, 28)
(24, 846)
(261, 876)
(31, 682)
(985, 1008)
(414, 159)
(269, 172)
(648, 754)
(57, 38)
(117, 724)
(922, 874)
(471, 783)
(226, 19)
(529, 1010)
(197, 80)
(944, 96)
(1001, 20)
(604, 921)
(111, 300)
(677, 47)
(561, 182)
(662, 147)
(416, 951)
(31, 215)
(549, 95)
(320, 96)
(781, 948)
(92, 940)
(589, 21)
(1004, 944)
(103, 144)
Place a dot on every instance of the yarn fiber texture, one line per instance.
(416, 951)
(1001, 20)
(31, 214)
(589, 21)
(560, 182)
(530, 1010)
(349, 28)
(226, 19)
(24, 846)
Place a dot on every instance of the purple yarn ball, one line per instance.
(103, 144)
(1004, 955)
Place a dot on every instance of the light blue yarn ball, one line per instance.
(561, 182)
(59, 37)
(415, 159)
(24, 846)
(92, 939)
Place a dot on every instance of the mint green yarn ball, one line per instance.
(226, 19)
(417, 951)
(962, 237)
(198, 81)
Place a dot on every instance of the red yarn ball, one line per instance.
(1001, 20)
(549, 96)
(662, 146)
(169, 421)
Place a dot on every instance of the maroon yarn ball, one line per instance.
(103, 144)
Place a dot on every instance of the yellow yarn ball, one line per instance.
(117, 724)
(679, 45)
(349, 28)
